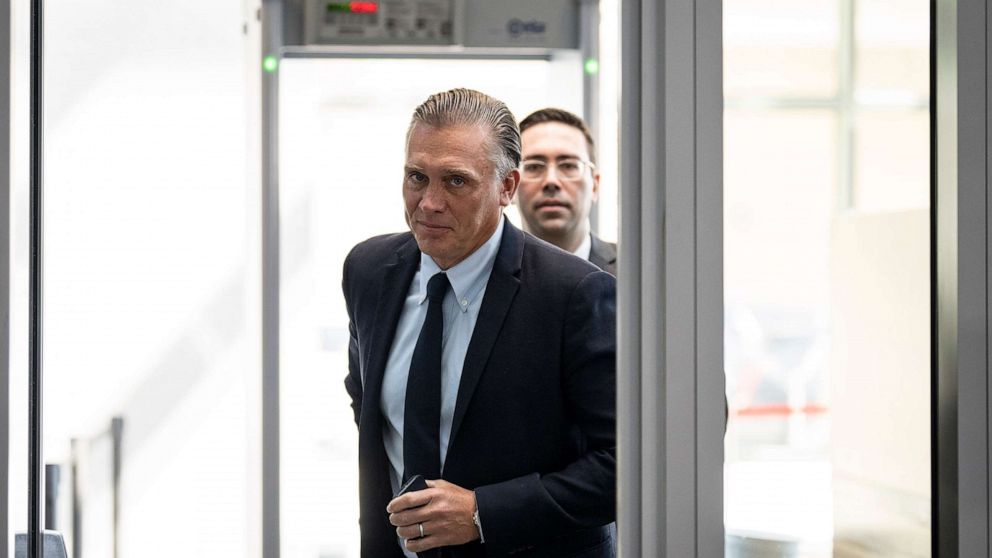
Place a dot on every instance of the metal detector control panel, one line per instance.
(469, 23)
(410, 22)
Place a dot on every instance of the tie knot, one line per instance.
(437, 287)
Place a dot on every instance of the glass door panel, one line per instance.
(148, 349)
(826, 262)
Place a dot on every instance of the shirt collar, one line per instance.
(469, 276)
(585, 249)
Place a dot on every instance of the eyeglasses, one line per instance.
(569, 169)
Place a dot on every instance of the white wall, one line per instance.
(880, 383)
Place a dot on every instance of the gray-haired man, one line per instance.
(480, 358)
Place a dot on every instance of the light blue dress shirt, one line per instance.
(461, 310)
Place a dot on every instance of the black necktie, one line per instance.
(422, 417)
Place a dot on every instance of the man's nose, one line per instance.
(551, 180)
(433, 199)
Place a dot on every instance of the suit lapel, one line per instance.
(601, 254)
(396, 279)
(500, 290)
(374, 486)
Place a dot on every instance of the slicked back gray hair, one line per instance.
(467, 107)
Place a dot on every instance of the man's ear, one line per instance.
(595, 187)
(508, 188)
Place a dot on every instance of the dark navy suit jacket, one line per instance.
(534, 429)
(603, 255)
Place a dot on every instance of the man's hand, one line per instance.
(445, 511)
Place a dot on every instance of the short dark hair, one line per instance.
(565, 117)
(459, 107)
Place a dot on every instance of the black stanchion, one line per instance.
(35, 496)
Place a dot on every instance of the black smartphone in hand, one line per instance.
(415, 483)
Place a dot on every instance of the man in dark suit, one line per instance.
(559, 184)
(480, 358)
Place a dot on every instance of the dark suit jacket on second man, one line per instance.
(534, 425)
(603, 255)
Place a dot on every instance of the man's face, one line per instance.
(554, 207)
(453, 196)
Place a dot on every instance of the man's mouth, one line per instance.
(552, 206)
(432, 226)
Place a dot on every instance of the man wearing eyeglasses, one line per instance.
(559, 183)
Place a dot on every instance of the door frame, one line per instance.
(5, 170)
(961, 250)
(670, 276)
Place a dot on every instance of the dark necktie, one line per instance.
(422, 417)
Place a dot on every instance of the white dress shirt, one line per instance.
(585, 249)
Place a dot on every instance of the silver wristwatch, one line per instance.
(478, 525)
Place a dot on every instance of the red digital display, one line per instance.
(364, 7)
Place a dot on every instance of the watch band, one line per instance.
(478, 525)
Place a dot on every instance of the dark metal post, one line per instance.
(77, 503)
(117, 435)
(962, 283)
(35, 497)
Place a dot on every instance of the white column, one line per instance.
(670, 367)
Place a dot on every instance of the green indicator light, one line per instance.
(592, 66)
(270, 63)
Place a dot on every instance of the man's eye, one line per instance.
(533, 167)
(416, 177)
(569, 166)
(457, 181)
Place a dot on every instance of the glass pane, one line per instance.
(780, 48)
(892, 54)
(780, 180)
(17, 512)
(892, 160)
(762, 201)
(342, 132)
(827, 310)
(148, 316)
